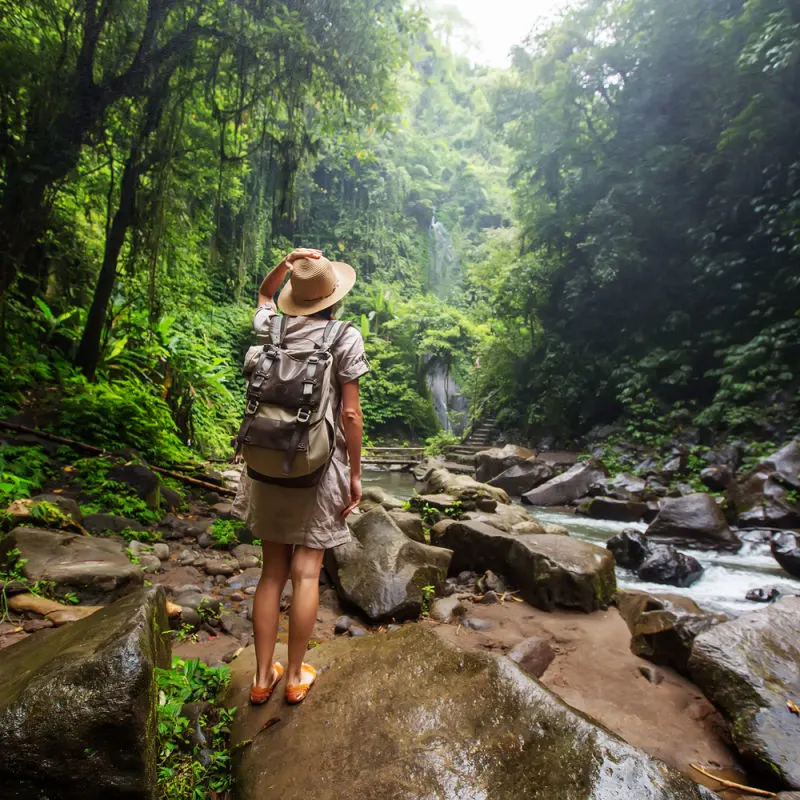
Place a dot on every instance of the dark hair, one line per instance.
(329, 312)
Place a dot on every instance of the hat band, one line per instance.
(324, 297)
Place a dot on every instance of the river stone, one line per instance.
(78, 705)
(448, 609)
(490, 463)
(663, 626)
(618, 510)
(494, 732)
(578, 481)
(534, 655)
(24, 510)
(549, 570)
(110, 523)
(462, 488)
(695, 518)
(630, 548)
(627, 487)
(410, 524)
(749, 668)
(504, 517)
(523, 477)
(372, 496)
(665, 564)
(785, 549)
(88, 565)
(382, 571)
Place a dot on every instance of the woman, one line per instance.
(296, 526)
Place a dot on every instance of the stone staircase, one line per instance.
(482, 436)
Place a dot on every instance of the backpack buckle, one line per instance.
(252, 406)
(303, 415)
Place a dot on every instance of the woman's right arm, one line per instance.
(353, 423)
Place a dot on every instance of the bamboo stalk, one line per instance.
(90, 448)
(733, 785)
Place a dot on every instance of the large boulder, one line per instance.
(406, 716)
(410, 524)
(463, 488)
(578, 481)
(663, 626)
(627, 487)
(141, 479)
(87, 565)
(785, 549)
(490, 463)
(630, 548)
(750, 669)
(376, 496)
(523, 477)
(665, 564)
(382, 571)
(78, 705)
(766, 497)
(695, 518)
(549, 570)
(618, 510)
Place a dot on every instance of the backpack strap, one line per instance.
(277, 329)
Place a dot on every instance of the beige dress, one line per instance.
(312, 516)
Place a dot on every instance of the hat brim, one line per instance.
(345, 280)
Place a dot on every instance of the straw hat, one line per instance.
(315, 284)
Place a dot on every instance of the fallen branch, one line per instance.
(732, 784)
(90, 448)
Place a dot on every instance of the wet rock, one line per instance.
(78, 705)
(627, 487)
(663, 626)
(558, 753)
(785, 548)
(530, 526)
(665, 564)
(88, 565)
(523, 477)
(578, 481)
(549, 570)
(630, 548)
(447, 609)
(554, 529)
(142, 480)
(534, 655)
(462, 488)
(504, 517)
(695, 518)
(410, 524)
(748, 668)
(343, 624)
(357, 630)
(654, 676)
(161, 551)
(492, 462)
(766, 594)
(765, 497)
(216, 566)
(382, 571)
(31, 510)
(376, 496)
(238, 627)
(619, 510)
(716, 478)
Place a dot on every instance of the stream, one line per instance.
(722, 588)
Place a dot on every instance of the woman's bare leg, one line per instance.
(267, 606)
(306, 564)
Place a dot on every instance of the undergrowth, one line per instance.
(225, 532)
(23, 471)
(192, 765)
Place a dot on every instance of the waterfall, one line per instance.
(443, 269)
(447, 397)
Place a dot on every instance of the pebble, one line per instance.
(343, 624)
(251, 590)
(357, 630)
(161, 551)
(237, 597)
(477, 624)
(205, 540)
(489, 598)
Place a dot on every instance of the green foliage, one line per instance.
(144, 536)
(23, 471)
(106, 495)
(50, 515)
(428, 593)
(436, 445)
(225, 532)
(181, 772)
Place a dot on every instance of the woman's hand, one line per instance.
(301, 252)
(355, 494)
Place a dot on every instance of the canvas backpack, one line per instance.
(288, 433)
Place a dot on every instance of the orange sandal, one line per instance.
(260, 694)
(297, 692)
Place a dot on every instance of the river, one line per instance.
(726, 580)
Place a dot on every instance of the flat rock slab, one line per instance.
(382, 571)
(749, 668)
(87, 565)
(77, 705)
(571, 485)
(549, 570)
(406, 716)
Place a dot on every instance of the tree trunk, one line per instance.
(89, 348)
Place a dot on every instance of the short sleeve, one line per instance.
(263, 317)
(351, 359)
